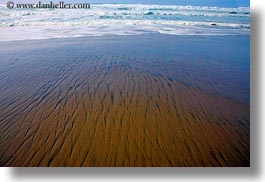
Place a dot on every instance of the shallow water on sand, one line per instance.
(149, 100)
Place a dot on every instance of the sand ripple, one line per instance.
(86, 106)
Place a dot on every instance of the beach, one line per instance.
(132, 100)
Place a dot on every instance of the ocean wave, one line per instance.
(121, 19)
(42, 30)
(125, 22)
(136, 10)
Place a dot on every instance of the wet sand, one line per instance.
(149, 100)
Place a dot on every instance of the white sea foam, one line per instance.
(121, 19)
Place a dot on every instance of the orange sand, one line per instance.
(111, 114)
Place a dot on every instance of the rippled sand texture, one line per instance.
(97, 102)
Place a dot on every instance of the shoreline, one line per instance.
(148, 34)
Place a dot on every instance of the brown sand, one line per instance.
(94, 111)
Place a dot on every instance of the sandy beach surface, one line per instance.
(142, 100)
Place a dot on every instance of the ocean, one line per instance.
(122, 19)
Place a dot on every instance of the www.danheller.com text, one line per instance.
(50, 5)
